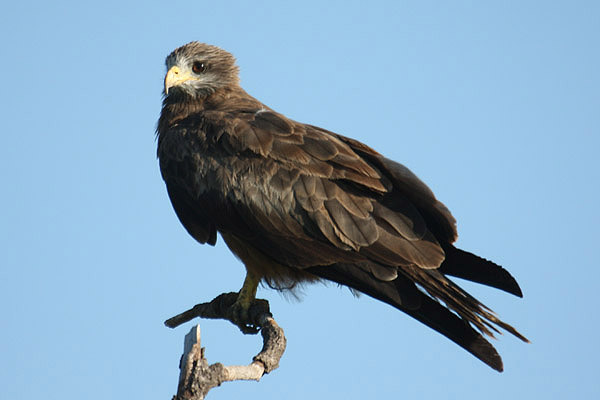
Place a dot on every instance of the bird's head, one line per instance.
(198, 70)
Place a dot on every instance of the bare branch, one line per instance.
(197, 377)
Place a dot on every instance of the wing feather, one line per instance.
(257, 140)
(323, 150)
(351, 203)
(360, 232)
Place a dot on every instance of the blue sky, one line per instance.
(495, 106)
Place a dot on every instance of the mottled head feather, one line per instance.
(221, 70)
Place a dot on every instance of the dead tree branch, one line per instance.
(197, 377)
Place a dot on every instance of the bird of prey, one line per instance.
(297, 203)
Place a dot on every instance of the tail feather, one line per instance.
(438, 317)
(465, 265)
(404, 295)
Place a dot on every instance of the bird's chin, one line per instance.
(179, 93)
(186, 93)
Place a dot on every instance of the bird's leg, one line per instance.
(243, 309)
(240, 309)
(248, 291)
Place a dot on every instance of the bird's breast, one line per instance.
(207, 165)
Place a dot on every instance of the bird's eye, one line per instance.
(198, 67)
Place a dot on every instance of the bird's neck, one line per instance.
(177, 108)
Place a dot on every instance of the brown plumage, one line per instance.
(297, 203)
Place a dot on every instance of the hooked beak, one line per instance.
(176, 77)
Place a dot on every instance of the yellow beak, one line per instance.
(176, 77)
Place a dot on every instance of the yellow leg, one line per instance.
(248, 291)
(240, 309)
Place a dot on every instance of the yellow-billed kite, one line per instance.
(297, 203)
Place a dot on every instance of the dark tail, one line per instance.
(465, 265)
(404, 295)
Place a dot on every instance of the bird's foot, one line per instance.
(243, 309)
(244, 314)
